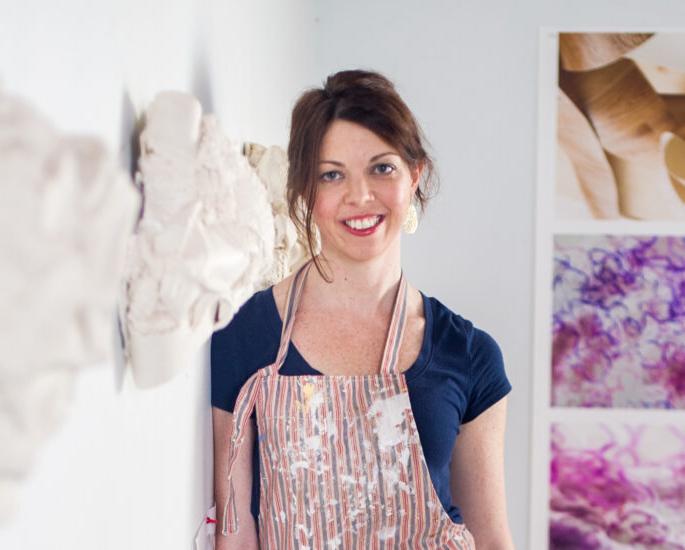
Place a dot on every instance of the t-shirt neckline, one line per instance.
(304, 368)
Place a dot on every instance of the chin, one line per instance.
(359, 254)
(345, 251)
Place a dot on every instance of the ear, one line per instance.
(416, 173)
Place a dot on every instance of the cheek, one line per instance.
(398, 201)
(324, 210)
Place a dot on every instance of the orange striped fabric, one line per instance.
(341, 462)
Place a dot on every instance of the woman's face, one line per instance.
(364, 190)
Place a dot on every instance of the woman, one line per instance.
(366, 381)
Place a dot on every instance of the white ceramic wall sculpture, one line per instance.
(204, 242)
(65, 214)
(271, 165)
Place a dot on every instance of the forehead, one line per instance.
(348, 140)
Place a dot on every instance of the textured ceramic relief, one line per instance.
(619, 322)
(65, 213)
(203, 243)
(271, 165)
(617, 487)
(621, 126)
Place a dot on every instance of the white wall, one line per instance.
(468, 69)
(131, 469)
(120, 474)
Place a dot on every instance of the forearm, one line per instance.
(477, 479)
(501, 543)
(246, 537)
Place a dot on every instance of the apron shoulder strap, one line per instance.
(390, 361)
(292, 301)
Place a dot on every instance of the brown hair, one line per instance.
(368, 99)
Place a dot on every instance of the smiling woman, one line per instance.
(359, 382)
(366, 195)
(357, 130)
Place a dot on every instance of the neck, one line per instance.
(367, 287)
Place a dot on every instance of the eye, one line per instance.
(331, 175)
(384, 168)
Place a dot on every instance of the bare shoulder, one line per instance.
(280, 291)
(414, 303)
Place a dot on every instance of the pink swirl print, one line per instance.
(617, 488)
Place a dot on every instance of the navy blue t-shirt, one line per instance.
(458, 374)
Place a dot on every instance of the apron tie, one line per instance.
(248, 396)
(244, 406)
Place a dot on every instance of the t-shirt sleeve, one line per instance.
(488, 379)
(236, 352)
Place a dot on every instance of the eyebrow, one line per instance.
(375, 157)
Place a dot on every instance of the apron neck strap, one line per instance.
(391, 351)
(291, 303)
(389, 363)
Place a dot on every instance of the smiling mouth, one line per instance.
(362, 224)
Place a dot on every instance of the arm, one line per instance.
(246, 537)
(477, 478)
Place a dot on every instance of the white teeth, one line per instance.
(363, 223)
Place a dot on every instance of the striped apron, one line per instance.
(341, 462)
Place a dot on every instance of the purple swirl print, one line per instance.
(619, 322)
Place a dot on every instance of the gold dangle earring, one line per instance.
(411, 220)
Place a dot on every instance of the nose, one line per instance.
(358, 190)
